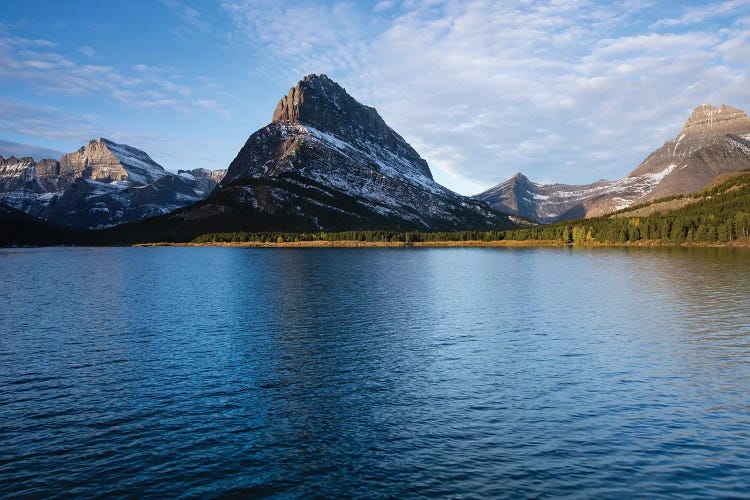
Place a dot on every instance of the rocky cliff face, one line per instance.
(106, 161)
(26, 184)
(19, 174)
(714, 141)
(100, 185)
(327, 162)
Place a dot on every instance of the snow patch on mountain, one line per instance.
(387, 162)
(140, 167)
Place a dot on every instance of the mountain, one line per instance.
(100, 185)
(327, 162)
(714, 141)
(718, 214)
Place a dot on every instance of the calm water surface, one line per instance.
(374, 372)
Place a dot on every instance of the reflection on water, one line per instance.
(407, 372)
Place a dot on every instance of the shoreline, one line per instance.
(447, 244)
(365, 244)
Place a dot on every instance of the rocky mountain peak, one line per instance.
(311, 101)
(12, 160)
(318, 102)
(707, 120)
(107, 161)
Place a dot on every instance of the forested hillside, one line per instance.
(719, 214)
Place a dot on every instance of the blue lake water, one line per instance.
(374, 372)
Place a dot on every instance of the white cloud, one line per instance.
(45, 122)
(19, 150)
(191, 18)
(563, 90)
(296, 38)
(68, 132)
(87, 51)
(570, 91)
(695, 15)
(38, 64)
(383, 5)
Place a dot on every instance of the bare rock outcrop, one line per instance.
(321, 103)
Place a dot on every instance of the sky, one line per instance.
(565, 91)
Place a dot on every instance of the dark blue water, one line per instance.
(374, 372)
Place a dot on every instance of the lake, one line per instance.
(487, 372)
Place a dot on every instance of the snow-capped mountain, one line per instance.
(714, 141)
(327, 162)
(106, 161)
(101, 184)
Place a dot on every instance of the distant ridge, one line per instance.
(99, 185)
(713, 141)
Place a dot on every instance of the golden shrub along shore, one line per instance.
(365, 244)
(443, 244)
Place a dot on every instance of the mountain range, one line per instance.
(100, 185)
(326, 162)
(714, 141)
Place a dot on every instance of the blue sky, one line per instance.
(562, 90)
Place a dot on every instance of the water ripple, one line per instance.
(374, 372)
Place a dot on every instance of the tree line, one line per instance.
(718, 215)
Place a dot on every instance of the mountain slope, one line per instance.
(21, 229)
(713, 141)
(327, 162)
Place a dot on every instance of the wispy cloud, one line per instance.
(87, 51)
(39, 64)
(191, 19)
(295, 38)
(50, 124)
(46, 122)
(562, 90)
(696, 15)
(384, 5)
